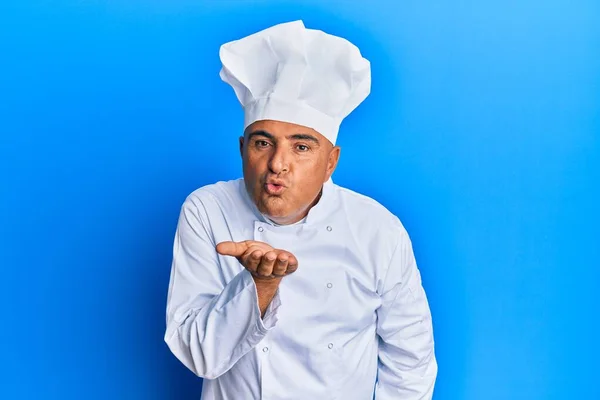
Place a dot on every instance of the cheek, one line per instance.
(311, 170)
(253, 166)
(309, 178)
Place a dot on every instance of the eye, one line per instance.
(261, 143)
(302, 147)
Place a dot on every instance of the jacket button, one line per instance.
(260, 229)
(329, 228)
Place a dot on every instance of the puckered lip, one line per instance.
(276, 182)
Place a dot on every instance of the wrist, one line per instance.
(266, 283)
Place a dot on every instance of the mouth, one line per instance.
(274, 188)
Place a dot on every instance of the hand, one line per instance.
(263, 261)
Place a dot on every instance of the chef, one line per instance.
(283, 284)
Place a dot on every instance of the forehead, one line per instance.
(281, 129)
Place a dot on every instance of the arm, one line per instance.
(407, 365)
(211, 323)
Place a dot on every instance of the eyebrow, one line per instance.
(261, 133)
(304, 136)
(296, 136)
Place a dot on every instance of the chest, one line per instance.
(333, 292)
(334, 289)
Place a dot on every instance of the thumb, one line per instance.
(235, 249)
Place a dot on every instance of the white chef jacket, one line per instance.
(352, 323)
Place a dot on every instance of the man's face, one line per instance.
(285, 166)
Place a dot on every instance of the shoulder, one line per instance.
(218, 193)
(215, 201)
(366, 211)
(372, 224)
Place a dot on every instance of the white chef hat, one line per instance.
(292, 74)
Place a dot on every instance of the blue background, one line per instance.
(481, 134)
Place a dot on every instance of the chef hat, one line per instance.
(292, 74)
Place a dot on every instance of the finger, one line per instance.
(234, 249)
(261, 245)
(292, 264)
(253, 246)
(281, 265)
(265, 268)
(251, 259)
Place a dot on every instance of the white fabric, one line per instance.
(292, 74)
(352, 323)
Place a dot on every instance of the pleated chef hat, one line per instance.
(292, 74)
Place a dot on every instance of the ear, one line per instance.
(242, 146)
(332, 161)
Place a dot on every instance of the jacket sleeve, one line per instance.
(407, 366)
(211, 322)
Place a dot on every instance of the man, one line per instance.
(283, 284)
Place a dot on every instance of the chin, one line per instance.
(274, 212)
(274, 208)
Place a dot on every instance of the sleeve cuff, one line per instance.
(269, 321)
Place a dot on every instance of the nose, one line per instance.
(279, 161)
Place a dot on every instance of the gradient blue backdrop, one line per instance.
(481, 133)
